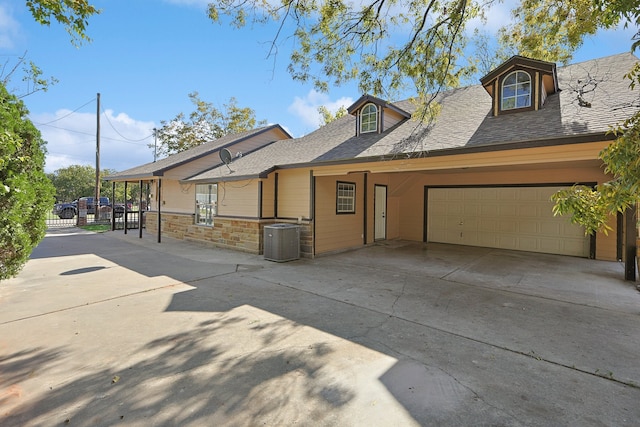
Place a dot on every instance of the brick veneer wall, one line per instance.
(245, 235)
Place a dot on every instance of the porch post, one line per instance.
(125, 207)
(159, 203)
(113, 206)
(139, 211)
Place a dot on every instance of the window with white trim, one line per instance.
(369, 119)
(346, 198)
(516, 91)
(206, 203)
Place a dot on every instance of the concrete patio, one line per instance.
(109, 329)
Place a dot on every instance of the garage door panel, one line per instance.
(508, 226)
(488, 240)
(528, 227)
(551, 245)
(528, 210)
(488, 210)
(506, 241)
(518, 218)
(571, 231)
(488, 225)
(472, 210)
(551, 228)
(507, 210)
(507, 194)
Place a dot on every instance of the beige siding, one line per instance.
(412, 208)
(391, 118)
(606, 248)
(294, 193)
(177, 197)
(333, 231)
(196, 166)
(556, 156)
(268, 196)
(238, 198)
(193, 167)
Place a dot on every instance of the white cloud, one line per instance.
(307, 108)
(9, 27)
(497, 15)
(71, 139)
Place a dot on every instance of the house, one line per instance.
(180, 204)
(481, 173)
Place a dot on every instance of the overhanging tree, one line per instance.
(327, 116)
(73, 15)
(26, 194)
(593, 207)
(391, 45)
(388, 45)
(206, 123)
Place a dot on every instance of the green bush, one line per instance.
(26, 194)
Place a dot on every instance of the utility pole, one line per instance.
(96, 201)
(155, 144)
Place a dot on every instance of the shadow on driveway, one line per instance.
(396, 334)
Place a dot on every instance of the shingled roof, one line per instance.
(593, 96)
(159, 167)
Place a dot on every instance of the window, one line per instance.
(516, 91)
(369, 119)
(346, 198)
(206, 203)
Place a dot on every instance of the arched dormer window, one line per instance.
(516, 91)
(369, 119)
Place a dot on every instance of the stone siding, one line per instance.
(246, 235)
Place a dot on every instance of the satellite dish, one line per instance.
(226, 157)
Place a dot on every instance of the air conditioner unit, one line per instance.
(281, 242)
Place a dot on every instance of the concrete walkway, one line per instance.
(109, 329)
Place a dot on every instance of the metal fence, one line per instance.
(106, 215)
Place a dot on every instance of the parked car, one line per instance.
(69, 210)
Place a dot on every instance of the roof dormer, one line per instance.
(374, 115)
(520, 84)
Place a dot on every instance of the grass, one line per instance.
(98, 228)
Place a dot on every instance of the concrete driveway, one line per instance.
(108, 329)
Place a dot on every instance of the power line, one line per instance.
(91, 134)
(122, 136)
(67, 115)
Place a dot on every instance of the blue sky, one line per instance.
(147, 56)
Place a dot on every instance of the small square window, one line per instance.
(346, 198)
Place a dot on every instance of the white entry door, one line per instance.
(380, 212)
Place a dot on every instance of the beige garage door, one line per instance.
(518, 218)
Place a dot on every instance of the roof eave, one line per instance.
(161, 171)
(566, 140)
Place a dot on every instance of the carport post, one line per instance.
(630, 245)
